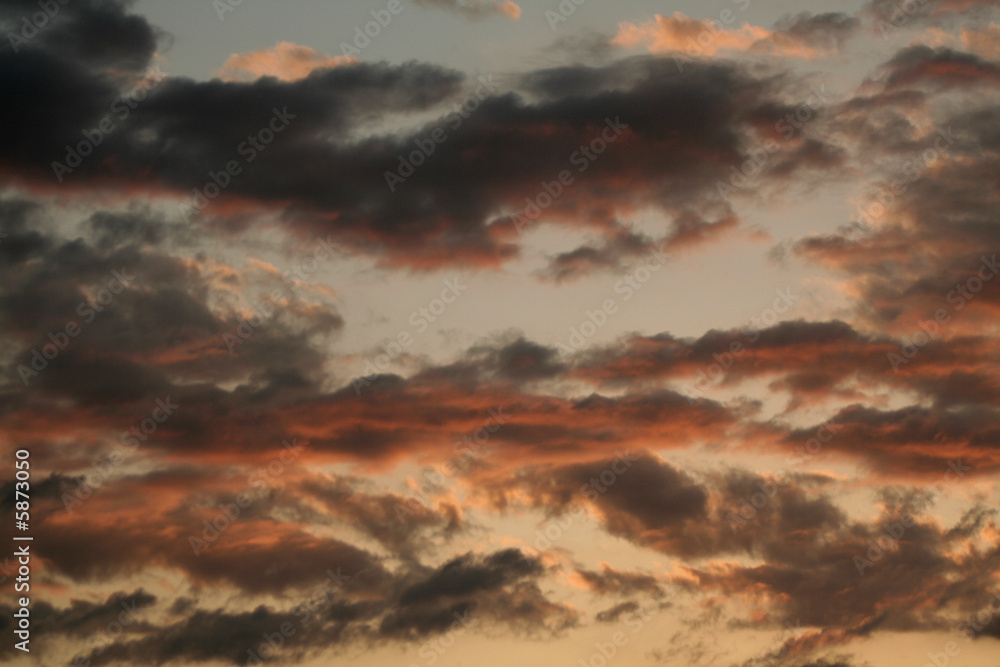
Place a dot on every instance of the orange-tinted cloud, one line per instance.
(285, 61)
(802, 36)
(680, 33)
(984, 42)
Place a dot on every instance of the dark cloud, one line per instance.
(608, 255)
(490, 589)
(596, 429)
(85, 618)
(674, 136)
(141, 316)
(465, 576)
(508, 358)
(827, 31)
(402, 524)
(613, 614)
(100, 33)
(889, 16)
(940, 68)
(87, 621)
(614, 582)
(235, 637)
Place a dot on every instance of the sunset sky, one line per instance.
(469, 333)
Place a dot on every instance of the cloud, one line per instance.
(475, 9)
(464, 576)
(828, 31)
(984, 42)
(699, 453)
(96, 34)
(680, 33)
(799, 36)
(920, 156)
(619, 248)
(890, 15)
(675, 136)
(488, 591)
(285, 61)
(610, 581)
(939, 68)
(616, 612)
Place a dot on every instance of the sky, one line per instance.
(458, 333)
